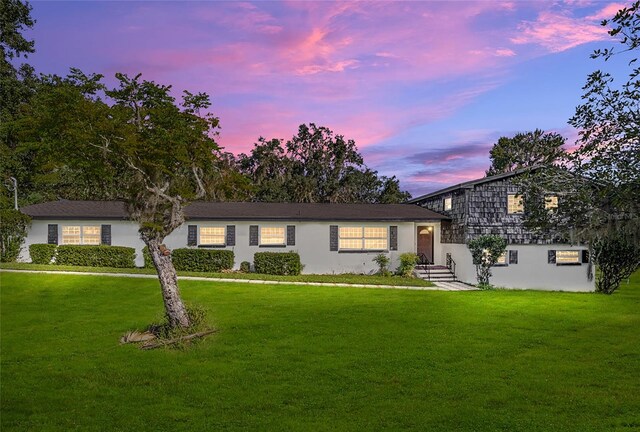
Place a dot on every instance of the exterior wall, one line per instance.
(481, 210)
(123, 233)
(532, 271)
(487, 214)
(454, 231)
(312, 243)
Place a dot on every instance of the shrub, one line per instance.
(13, 230)
(277, 263)
(96, 256)
(245, 267)
(42, 253)
(485, 251)
(383, 264)
(408, 262)
(617, 255)
(148, 262)
(202, 260)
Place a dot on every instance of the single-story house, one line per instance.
(330, 238)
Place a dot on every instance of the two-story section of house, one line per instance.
(491, 205)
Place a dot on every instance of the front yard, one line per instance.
(345, 278)
(318, 358)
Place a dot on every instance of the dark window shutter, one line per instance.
(551, 257)
(513, 257)
(105, 235)
(333, 237)
(393, 240)
(52, 234)
(231, 235)
(253, 235)
(585, 257)
(291, 235)
(192, 235)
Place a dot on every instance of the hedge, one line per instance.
(42, 253)
(148, 263)
(96, 256)
(202, 260)
(277, 263)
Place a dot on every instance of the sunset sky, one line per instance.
(424, 88)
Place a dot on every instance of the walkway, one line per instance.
(439, 286)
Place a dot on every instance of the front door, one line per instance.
(425, 243)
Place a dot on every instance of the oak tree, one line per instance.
(524, 150)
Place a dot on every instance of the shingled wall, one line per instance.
(453, 231)
(482, 209)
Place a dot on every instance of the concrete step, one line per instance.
(434, 273)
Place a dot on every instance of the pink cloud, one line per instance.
(558, 31)
(607, 12)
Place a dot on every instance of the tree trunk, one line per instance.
(175, 309)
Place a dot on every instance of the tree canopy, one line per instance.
(524, 150)
(315, 166)
(598, 183)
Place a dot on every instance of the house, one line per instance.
(330, 238)
(491, 205)
(344, 238)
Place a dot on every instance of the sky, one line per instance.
(424, 88)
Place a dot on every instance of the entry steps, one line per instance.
(434, 273)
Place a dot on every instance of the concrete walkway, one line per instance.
(439, 286)
(454, 286)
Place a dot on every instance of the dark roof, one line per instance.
(309, 211)
(65, 209)
(472, 183)
(242, 211)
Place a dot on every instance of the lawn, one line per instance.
(311, 358)
(344, 278)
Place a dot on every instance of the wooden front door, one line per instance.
(425, 242)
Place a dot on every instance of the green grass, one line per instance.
(309, 358)
(345, 278)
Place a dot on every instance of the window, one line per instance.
(211, 236)
(568, 257)
(514, 204)
(272, 236)
(362, 238)
(447, 203)
(550, 202)
(502, 259)
(81, 235)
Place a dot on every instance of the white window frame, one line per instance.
(261, 236)
(447, 203)
(362, 238)
(568, 257)
(224, 235)
(515, 204)
(82, 235)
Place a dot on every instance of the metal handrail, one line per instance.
(424, 261)
(451, 265)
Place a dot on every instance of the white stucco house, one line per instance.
(330, 238)
(344, 238)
